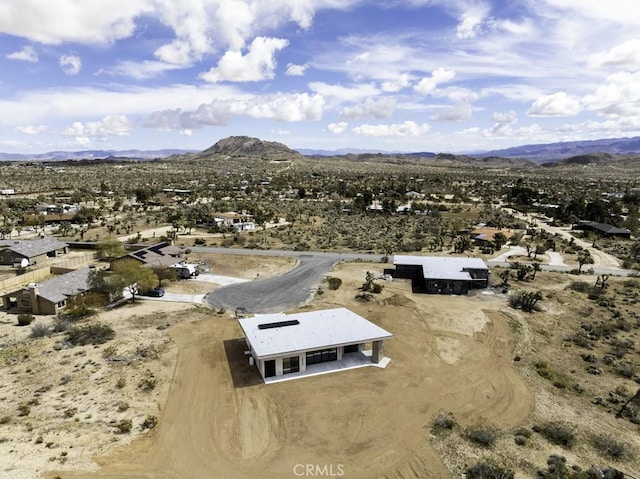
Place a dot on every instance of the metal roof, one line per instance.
(316, 330)
(442, 267)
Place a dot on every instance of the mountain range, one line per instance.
(560, 152)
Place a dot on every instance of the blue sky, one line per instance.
(394, 75)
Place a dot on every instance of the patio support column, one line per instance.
(378, 352)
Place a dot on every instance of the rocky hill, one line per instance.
(247, 147)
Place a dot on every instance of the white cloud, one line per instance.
(70, 64)
(625, 55)
(94, 22)
(460, 112)
(294, 70)
(397, 84)
(341, 93)
(140, 70)
(337, 128)
(503, 122)
(278, 107)
(557, 104)
(620, 96)
(27, 54)
(370, 108)
(407, 128)
(428, 84)
(258, 64)
(111, 125)
(32, 129)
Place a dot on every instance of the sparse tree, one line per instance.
(584, 257)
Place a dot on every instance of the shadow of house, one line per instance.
(34, 251)
(603, 229)
(50, 296)
(442, 275)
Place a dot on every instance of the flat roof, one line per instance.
(442, 267)
(315, 330)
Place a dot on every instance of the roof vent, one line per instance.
(279, 324)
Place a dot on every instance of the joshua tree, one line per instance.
(584, 257)
(535, 267)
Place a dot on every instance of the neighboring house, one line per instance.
(160, 254)
(34, 251)
(485, 236)
(239, 221)
(603, 229)
(282, 344)
(50, 296)
(442, 274)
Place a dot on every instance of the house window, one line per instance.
(291, 365)
(24, 303)
(322, 356)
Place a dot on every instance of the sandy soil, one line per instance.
(220, 420)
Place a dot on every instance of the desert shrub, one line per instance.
(488, 470)
(121, 382)
(200, 241)
(70, 412)
(612, 448)
(24, 410)
(60, 325)
(627, 370)
(364, 297)
(543, 369)
(124, 426)
(376, 288)
(122, 406)
(5, 419)
(25, 319)
(40, 330)
(148, 384)
(443, 421)
(149, 422)
(334, 283)
(558, 433)
(580, 286)
(90, 334)
(482, 434)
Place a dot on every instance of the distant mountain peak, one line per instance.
(247, 146)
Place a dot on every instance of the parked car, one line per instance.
(155, 292)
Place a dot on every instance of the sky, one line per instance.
(388, 75)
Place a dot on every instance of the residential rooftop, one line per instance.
(442, 267)
(314, 330)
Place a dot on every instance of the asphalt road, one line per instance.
(280, 293)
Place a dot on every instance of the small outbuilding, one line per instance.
(281, 344)
(442, 274)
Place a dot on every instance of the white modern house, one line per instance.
(442, 274)
(282, 344)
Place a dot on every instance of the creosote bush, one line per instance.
(25, 319)
(443, 421)
(40, 330)
(488, 470)
(612, 448)
(557, 433)
(90, 334)
(124, 426)
(334, 283)
(482, 434)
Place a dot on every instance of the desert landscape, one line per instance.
(209, 413)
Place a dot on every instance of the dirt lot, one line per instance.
(217, 418)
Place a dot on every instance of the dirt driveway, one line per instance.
(221, 421)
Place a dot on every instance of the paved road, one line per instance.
(280, 293)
